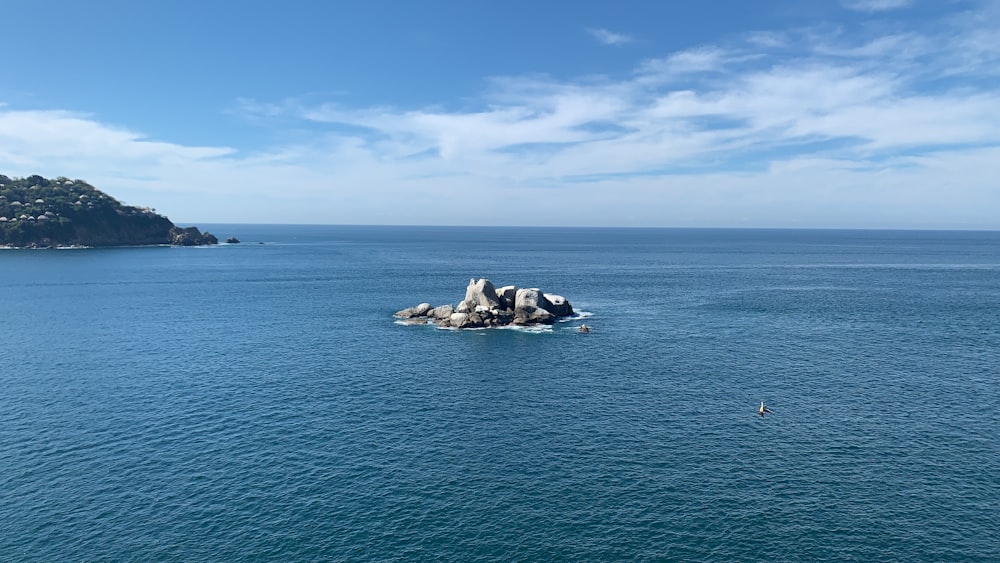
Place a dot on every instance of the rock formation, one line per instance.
(191, 236)
(486, 306)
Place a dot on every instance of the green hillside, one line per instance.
(38, 212)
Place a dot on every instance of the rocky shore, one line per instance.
(487, 306)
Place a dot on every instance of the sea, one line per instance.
(259, 402)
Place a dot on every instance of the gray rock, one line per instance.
(560, 307)
(481, 294)
(418, 311)
(506, 296)
(504, 318)
(531, 307)
(476, 320)
(442, 312)
(458, 319)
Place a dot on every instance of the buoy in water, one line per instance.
(763, 409)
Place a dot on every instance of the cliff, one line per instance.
(36, 212)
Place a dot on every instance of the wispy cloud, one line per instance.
(58, 133)
(700, 60)
(875, 5)
(766, 39)
(607, 37)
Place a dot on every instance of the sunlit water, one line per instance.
(258, 402)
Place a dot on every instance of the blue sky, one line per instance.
(772, 113)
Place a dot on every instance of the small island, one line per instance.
(486, 306)
(36, 212)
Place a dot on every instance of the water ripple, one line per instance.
(273, 411)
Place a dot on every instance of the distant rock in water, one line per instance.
(232, 240)
(486, 306)
(36, 212)
(191, 236)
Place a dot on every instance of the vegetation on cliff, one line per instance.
(38, 212)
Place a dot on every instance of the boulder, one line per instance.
(506, 296)
(560, 307)
(418, 311)
(481, 294)
(476, 320)
(531, 307)
(466, 320)
(442, 312)
(503, 318)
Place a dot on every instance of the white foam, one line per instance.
(411, 322)
(533, 328)
(575, 317)
(519, 328)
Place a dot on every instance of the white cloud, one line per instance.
(60, 133)
(900, 47)
(875, 5)
(767, 39)
(607, 37)
(704, 59)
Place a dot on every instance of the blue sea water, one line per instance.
(258, 401)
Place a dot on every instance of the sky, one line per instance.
(717, 113)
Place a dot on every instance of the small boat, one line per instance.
(584, 328)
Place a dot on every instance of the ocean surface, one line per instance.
(259, 402)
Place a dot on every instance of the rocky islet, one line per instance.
(486, 306)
